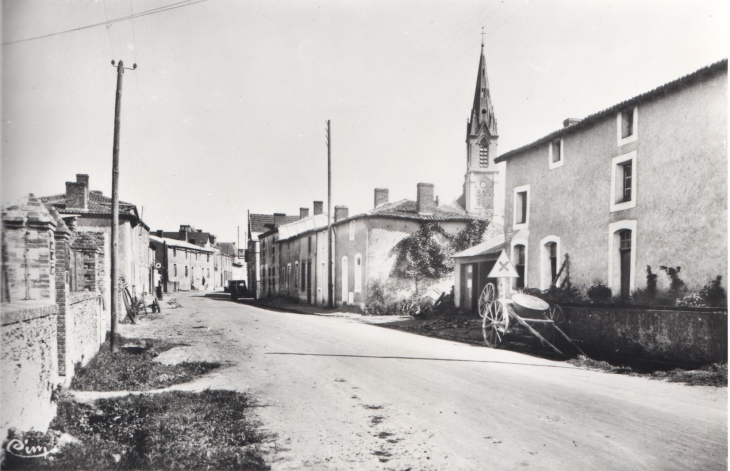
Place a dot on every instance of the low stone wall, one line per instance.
(85, 310)
(28, 365)
(684, 336)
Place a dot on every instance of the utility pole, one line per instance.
(330, 284)
(115, 206)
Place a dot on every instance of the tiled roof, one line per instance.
(585, 122)
(227, 248)
(407, 209)
(98, 204)
(178, 243)
(259, 223)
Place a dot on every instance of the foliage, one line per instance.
(445, 305)
(677, 288)
(691, 300)
(380, 298)
(170, 430)
(132, 369)
(566, 293)
(470, 236)
(423, 254)
(651, 280)
(599, 293)
(714, 294)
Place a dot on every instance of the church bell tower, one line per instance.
(482, 180)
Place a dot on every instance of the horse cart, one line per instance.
(502, 315)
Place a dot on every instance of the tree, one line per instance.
(425, 254)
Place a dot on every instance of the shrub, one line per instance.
(599, 293)
(677, 288)
(380, 299)
(651, 280)
(691, 300)
(470, 236)
(713, 294)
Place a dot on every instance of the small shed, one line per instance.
(471, 267)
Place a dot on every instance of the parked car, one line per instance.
(238, 289)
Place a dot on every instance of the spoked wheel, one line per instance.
(554, 313)
(495, 324)
(128, 304)
(486, 299)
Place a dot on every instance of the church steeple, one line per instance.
(482, 112)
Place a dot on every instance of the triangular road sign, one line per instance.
(503, 268)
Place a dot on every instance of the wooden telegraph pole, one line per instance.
(330, 266)
(115, 207)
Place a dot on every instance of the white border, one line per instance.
(545, 260)
(553, 165)
(612, 229)
(520, 189)
(514, 242)
(344, 279)
(635, 135)
(615, 162)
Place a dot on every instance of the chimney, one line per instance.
(425, 203)
(279, 219)
(318, 208)
(184, 228)
(341, 212)
(570, 122)
(77, 193)
(381, 196)
(95, 192)
(159, 233)
(303, 213)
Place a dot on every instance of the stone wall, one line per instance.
(689, 337)
(28, 365)
(85, 313)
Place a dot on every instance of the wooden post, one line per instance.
(330, 264)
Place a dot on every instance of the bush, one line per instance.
(599, 293)
(713, 294)
(380, 299)
(677, 288)
(691, 300)
(651, 280)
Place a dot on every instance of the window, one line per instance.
(352, 230)
(309, 245)
(288, 277)
(174, 252)
(622, 257)
(208, 258)
(296, 275)
(556, 153)
(186, 270)
(519, 258)
(483, 155)
(208, 272)
(186, 255)
(304, 276)
(174, 269)
(627, 126)
(623, 182)
(358, 273)
(521, 208)
(549, 263)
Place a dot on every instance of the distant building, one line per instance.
(225, 259)
(183, 266)
(257, 225)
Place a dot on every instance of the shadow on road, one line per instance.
(420, 358)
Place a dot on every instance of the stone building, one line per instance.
(225, 254)
(93, 215)
(184, 266)
(642, 183)
(257, 225)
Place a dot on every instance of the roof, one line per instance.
(717, 67)
(403, 209)
(201, 238)
(98, 205)
(485, 248)
(227, 248)
(287, 231)
(178, 243)
(259, 223)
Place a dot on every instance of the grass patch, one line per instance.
(168, 431)
(132, 368)
(710, 375)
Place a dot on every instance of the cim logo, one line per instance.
(33, 446)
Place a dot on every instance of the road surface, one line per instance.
(343, 394)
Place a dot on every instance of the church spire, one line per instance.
(482, 112)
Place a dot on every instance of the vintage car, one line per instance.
(238, 289)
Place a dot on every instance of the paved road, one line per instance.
(343, 394)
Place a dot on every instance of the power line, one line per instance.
(173, 6)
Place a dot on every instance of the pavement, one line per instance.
(338, 393)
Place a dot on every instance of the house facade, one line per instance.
(183, 266)
(643, 183)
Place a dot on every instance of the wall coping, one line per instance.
(20, 311)
(76, 297)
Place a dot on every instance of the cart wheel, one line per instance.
(495, 324)
(555, 314)
(128, 304)
(486, 299)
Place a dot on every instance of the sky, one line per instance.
(227, 109)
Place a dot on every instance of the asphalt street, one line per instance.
(342, 393)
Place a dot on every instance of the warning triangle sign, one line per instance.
(503, 268)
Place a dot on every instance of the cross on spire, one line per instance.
(482, 36)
